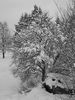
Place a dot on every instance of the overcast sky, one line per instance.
(11, 10)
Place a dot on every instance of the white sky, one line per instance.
(11, 10)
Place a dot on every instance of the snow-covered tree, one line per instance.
(4, 37)
(66, 60)
(36, 45)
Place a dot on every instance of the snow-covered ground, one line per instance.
(9, 86)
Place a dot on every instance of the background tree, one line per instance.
(66, 61)
(4, 37)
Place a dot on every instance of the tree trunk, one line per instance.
(3, 54)
(43, 75)
(43, 71)
(3, 51)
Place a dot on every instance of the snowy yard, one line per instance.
(9, 86)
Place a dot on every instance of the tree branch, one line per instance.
(56, 58)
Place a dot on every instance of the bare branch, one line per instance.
(56, 58)
(59, 9)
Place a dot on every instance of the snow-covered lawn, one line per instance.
(9, 86)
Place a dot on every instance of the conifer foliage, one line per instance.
(35, 44)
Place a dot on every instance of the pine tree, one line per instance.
(35, 44)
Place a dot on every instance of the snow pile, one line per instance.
(56, 79)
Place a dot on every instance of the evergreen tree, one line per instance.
(35, 44)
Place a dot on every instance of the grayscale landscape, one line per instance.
(37, 50)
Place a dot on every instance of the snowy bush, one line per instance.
(58, 84)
